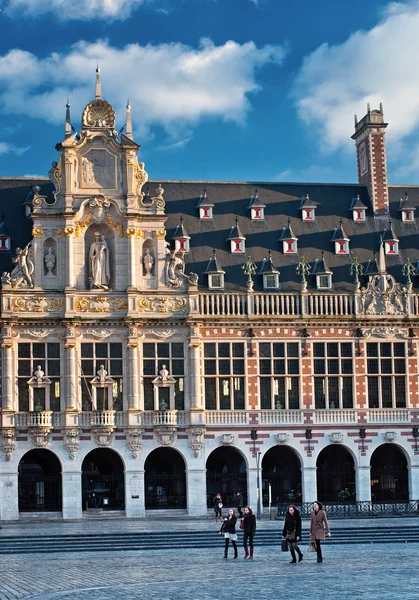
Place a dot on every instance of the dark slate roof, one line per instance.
(231, 201)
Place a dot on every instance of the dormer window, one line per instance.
(358, 209)
(205, 207)
(289, 240)
(269, 273)
(340, 240)
(181, 238)
(237, 240)
(322, 274)
(391, 247)
(407, 210)
(5, 238)
(324, 282)
(390, 241)
(215, 274)
(308, 209)
(256, 207)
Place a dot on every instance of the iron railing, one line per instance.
(357, 509)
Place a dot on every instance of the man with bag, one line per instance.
(291, 534)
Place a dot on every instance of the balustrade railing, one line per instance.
(277, 304)
(328, 305)
(223, 304)
(100, 418)
(227, 417)
(280, 417)
(35, 419)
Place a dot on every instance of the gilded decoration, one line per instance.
(99, 113)
(60, 232)
(117, 226)
(37, 232)
(131, 232)
(81, 226)
(163, 304)
(69, 231)
(161, 234)
(40, 304)
(101, 304)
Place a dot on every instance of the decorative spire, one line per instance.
(67, 130)
(382, 258)
(128, 122)
(98, 93)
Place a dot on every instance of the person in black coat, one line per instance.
(218, 507)
(249, 529)
(228, 527)
(292, 532)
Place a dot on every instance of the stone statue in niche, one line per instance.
(175, 272)
(49, 260)
(148, 262)
(21, 275)
(99, 263)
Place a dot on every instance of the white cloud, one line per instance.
(312, 174)
(378, 65)
(170, 85)
(6, 148)
(81, 10)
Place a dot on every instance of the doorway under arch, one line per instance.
(336, 475)
(389, 475)
(165, 480)
(103, 480)
(281, 469)
(226, 473)
(39, 482)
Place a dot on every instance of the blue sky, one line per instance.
(251, 90)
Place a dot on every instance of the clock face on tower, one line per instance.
(363, 158)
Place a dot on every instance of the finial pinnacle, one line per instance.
(98, 92)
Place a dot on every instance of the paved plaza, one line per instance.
(355, 571)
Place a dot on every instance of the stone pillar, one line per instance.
(69, 267)
(252, 486)
(363, 483)
(195, 376)
(134, 494)
(7, 375)
(132, 267)
(414, 482)
(309, 484)
(133, 378)
(71, 377)
(9, 497)
(72, 494)
(196, 485)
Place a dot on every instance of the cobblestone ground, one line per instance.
(370, 572)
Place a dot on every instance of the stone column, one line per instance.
(309, 483)
(133, 379)
(69, 279)
(414, 482)
(363, 483)
(72, 494)
(195, 375)
(134, 494)
(196, 486)
(71, 377)
(9, 497)
(132, 266)
(7, 375)
(252, 486)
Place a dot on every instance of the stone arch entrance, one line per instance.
(336, 475)
(281, 469)
(39, 482)
(165, 480)
(103, 480)
(226, 473)
(389, 475)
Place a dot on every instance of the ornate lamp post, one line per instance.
(356, 269)
(303, 269)
(249, 269)
(408, 270)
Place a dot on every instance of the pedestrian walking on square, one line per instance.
(249, 529)
(218, 507)
(228, 527)
(239, 500)
(318, 526)
(292, 532)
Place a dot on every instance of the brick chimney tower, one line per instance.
(371, 158)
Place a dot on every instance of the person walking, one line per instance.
(318, 525)
(218, 507)
(239, 500)
(292, 532)
(249, 529)
(228, 527)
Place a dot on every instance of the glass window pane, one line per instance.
(38, 350)
(163, 350)
(265, 367)
(372, 366)
(279, 367)
(179, 394)
(116, 368)
(224, 367)
(347, 366)
(385, 349)
(24, 368)
(372, 349)
(278, 349)
(293, 367)
(265, 393)
(149, 367)
(224, 393)
(332, 349)
(87, 350)
(238, 367)
(23, 395)
(149, 350)
(210, 367)
(333, 391)
(101, 350)
(53, 368)
(53, 350)
(24, 350)
(238, 350)
(292, 350)
(400, 390)
(264, 350)
(373, 392)
(399, 349)
(209, 351)
(115, 350)
(210, 394)
(333, 366)
(347, 392)
(148, 395)
(178, 367)
(319, 392)
(399, 365)
(346, 350)
(319, 367)
(386, 395)
(318, 349)
(224, 350)
(293, 393)
(386, 365)
(238, 389)
(87, 367)
(177, 350)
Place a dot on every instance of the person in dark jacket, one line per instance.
(218, 507)
(292, 532)
(239, 500)
(249, 529)
(228, 527)
(318, 525)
